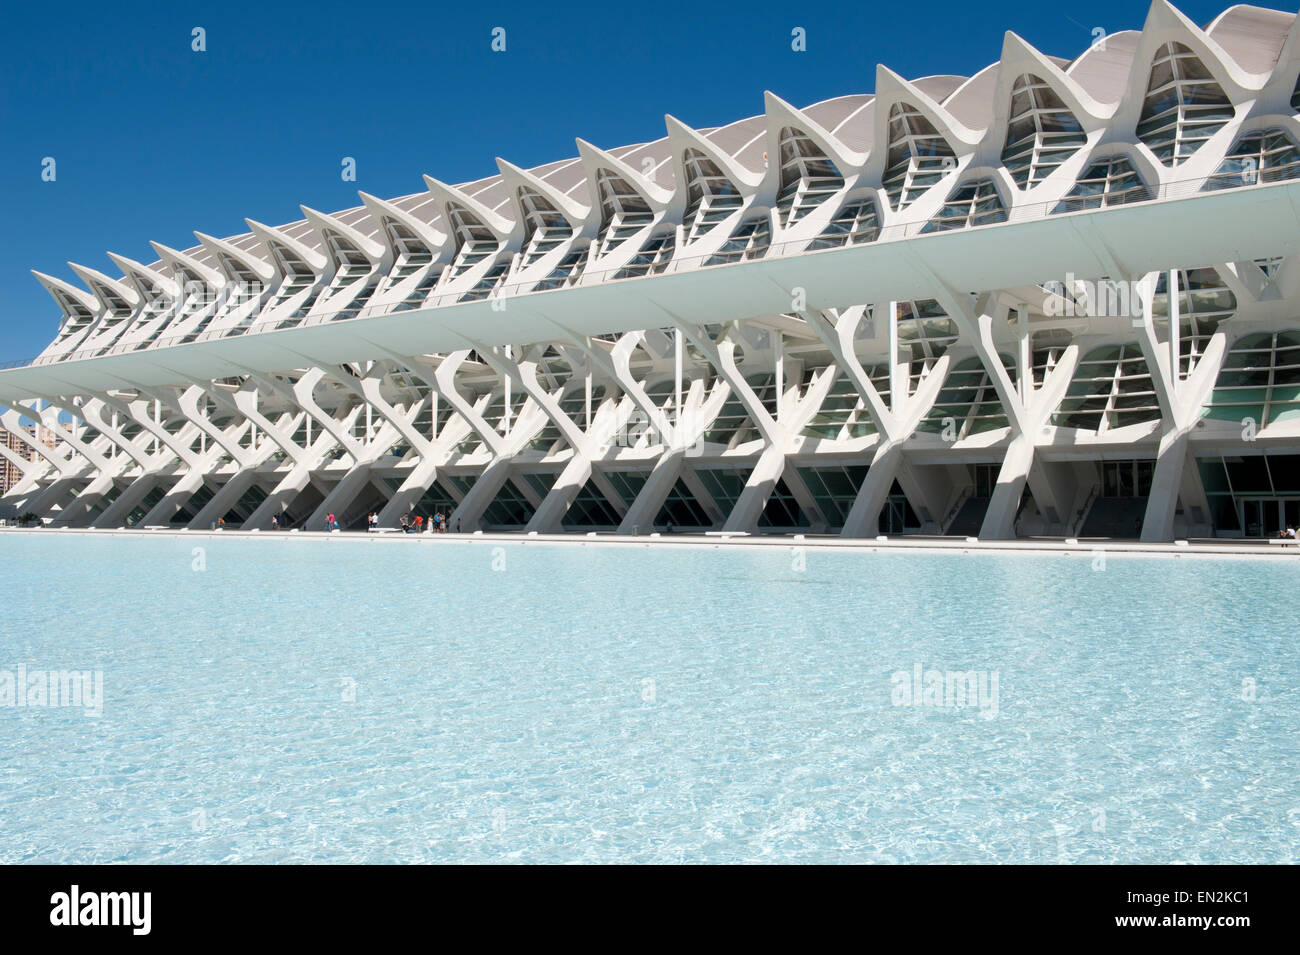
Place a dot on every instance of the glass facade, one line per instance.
(1252, 495)
(545, 227)
(1109, 182)
(1259, 381)
(750, 241)
(653, 257)
(725, 486)
(1184, 106)
(590, 509)
(970, 204)
(834, 489)
(509, 509)
(567, 272)
(1127, 478)
(918, 156)
(968, 403)
(474, 240)
(1046, 348)
(1042, 132)
(856, 222)
(808, 176)
(623, 212)
(710, 196)
(844, 414)
(1204, 300)
(1267, 155)
(1112, 388)
(926, 332)
(733, 426)
(682, 509)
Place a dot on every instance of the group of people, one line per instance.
(415, 524)
(1288, 533)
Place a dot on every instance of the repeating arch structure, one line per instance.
(1058, 297)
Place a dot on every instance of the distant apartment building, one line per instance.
(10, 473)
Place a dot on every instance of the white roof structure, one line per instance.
(1249, 53)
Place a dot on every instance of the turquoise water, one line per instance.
(355, 701)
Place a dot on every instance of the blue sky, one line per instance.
(153, 140)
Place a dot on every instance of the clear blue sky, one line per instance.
(153, 141)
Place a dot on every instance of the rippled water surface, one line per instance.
(360, 701)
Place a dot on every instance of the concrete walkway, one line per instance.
(914, 544)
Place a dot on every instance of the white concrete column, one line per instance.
(505, 413)
(1024, 355)
(1175, 328)
(677, 375)
(897, 380)
(189, 482)
(778, 349)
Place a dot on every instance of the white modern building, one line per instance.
(1060, 297)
